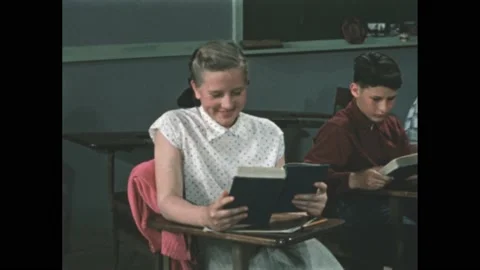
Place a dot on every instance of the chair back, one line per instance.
(342, 97)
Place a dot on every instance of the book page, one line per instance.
(301, 164)
(261, 172)
(399, 162)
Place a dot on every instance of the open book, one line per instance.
(266, 190)
(401, 167)
(279, 223)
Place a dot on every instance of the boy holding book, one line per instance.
(356, 142)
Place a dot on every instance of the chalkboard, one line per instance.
(300, 20)
(102, 22)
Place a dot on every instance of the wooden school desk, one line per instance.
(395, 199)
(242, 241)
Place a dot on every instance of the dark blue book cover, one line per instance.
(301, 178)
(270, 190)
(257, 188)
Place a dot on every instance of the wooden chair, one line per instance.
(124, 223)
(342, 98)
(122, 217)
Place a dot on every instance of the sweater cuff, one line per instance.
(343, 186)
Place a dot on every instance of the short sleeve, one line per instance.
(169, 125)
(281, 145)
(276, 135)
(411, 123)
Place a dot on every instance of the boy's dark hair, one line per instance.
(373, 69)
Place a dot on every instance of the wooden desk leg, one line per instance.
(239, 257)
(166, 262)
(111, 190)
(157, 261)
(395, 207)
(161, 262)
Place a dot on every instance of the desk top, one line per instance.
(402, 189)
(393, 193)
(271, 240)
(110, 141)
(126, 141)
(400, 193)
(406, 190)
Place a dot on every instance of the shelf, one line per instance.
(170, 49)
